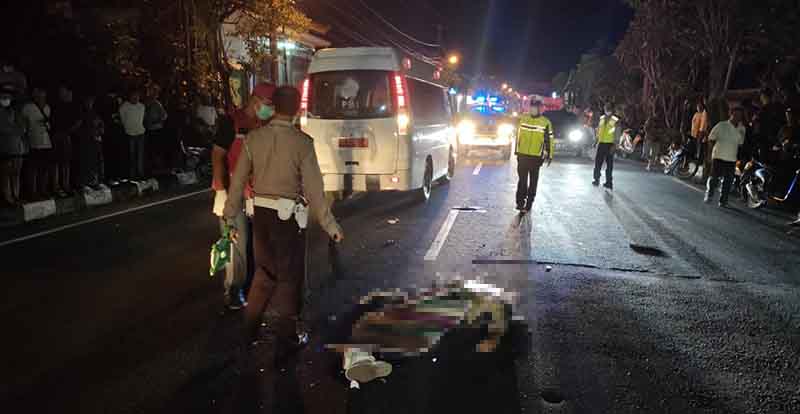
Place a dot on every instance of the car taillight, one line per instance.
(304, 103)
(401, 101)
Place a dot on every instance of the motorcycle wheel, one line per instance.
(686, 169)
(753, 199)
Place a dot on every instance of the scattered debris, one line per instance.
(393, 220)
(548, 268)
(389, 243)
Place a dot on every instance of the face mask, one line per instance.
(5, 103)
(265, 112)
(535, 112)
(608, 113)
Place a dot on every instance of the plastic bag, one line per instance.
(221, 252)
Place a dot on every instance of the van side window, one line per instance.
(428, 103)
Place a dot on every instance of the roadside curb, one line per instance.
(124, 191)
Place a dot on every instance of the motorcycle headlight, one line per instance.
(466, 129)
(576, 135)
(505, 130)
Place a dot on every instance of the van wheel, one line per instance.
(451, 167)
(424, 193)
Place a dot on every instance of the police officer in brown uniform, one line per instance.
(287, 182)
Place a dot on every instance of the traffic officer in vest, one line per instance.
(287, 184)
(608, 133)
(535, 145)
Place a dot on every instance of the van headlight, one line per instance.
(466, 130)
(576, 135)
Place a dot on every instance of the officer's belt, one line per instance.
(536, 128)
(285, 208)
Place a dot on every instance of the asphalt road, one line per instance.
(641, 299)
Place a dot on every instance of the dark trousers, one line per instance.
(605, 153)
(723, 170)
(279, 251)
(528, 170)
(136, 156)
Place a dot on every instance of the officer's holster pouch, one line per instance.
(286, 208)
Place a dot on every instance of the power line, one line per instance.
(413, 39)
(354, 15)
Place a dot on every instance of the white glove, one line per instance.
(249, 207)
(219, 202)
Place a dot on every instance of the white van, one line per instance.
(381, 121)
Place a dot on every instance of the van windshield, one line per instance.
(354, 94)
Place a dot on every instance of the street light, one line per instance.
(453, 60)
(505, 86)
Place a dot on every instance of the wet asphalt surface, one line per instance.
(640, 299)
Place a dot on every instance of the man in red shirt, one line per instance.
(225, 153)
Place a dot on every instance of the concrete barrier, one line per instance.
(98, 197)
(39, 210)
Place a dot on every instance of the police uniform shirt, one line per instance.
(282, 162)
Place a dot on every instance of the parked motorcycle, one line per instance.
(756, 184)
(680, 161)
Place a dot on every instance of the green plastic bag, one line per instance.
(221, 252)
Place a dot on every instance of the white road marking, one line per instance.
(92, 220)
(477, 169)
(688, 185)
(438, 242)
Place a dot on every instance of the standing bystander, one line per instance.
(39, 171)
(65, 123)
(725, 138)
(225, 154)
(131, 114)
(700, 130)
(12, 146)
(90, 138)
(154, 118)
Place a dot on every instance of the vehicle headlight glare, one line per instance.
(575, 135)
(466, 129)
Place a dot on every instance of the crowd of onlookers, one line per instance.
(61, 143)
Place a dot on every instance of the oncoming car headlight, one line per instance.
(466, 129)
(576, 135)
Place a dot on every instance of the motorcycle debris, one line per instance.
(548, 268)
(393, 220)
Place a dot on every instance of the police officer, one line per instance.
(535, 145)
(609, 131)
(282, 164)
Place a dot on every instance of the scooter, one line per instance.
(755, 182)
(680, 161)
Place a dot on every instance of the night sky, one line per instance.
(518, 40)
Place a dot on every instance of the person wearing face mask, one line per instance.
(225, 153)
(608, 133)
(535, 145)
(12, 146)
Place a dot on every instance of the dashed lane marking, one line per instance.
(477, 169)
(438, 242)
(99, 218)
(681, 182)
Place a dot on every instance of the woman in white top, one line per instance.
(39, 169)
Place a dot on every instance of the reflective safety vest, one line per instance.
(533, 135)
(607, 130)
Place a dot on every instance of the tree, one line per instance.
(263, 21)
